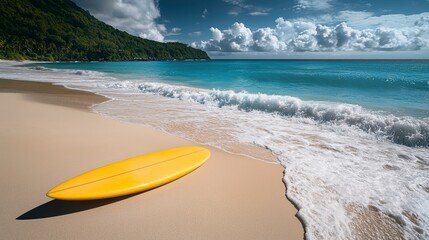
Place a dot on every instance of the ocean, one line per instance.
(353, 136)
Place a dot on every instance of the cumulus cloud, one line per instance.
(265, 40)
(137, 17)
(307, 36)
(237, 38)
(217, 34)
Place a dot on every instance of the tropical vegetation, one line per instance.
(59, 30)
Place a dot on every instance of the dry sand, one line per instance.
(47, 135)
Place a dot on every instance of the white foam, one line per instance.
(329, 168)
(408, 131)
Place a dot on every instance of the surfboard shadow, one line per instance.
(56, 208)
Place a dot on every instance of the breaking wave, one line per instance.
(406, 130)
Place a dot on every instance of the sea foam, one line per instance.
(408, 131)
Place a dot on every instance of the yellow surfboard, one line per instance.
(132, 175)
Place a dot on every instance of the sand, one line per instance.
(48, 135)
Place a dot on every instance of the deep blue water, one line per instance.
(397, 87)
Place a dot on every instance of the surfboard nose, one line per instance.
(132, 175)
(51, 194)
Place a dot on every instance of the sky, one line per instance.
(277, 28)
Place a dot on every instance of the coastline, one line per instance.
(49, 135)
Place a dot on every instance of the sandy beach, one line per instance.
(48, 134)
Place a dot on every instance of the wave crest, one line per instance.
(407, 131)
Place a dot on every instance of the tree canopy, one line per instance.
(60, 30)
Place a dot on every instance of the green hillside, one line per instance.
(60, 30)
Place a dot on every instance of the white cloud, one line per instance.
(237, 38)
(265, 40)
(137, 17)
(307, 36)
(362, 20)
(313, 4)
(217, 34)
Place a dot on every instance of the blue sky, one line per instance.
(277, 29)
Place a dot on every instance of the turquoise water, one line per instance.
(397, 87)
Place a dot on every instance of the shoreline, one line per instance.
(230, 197)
